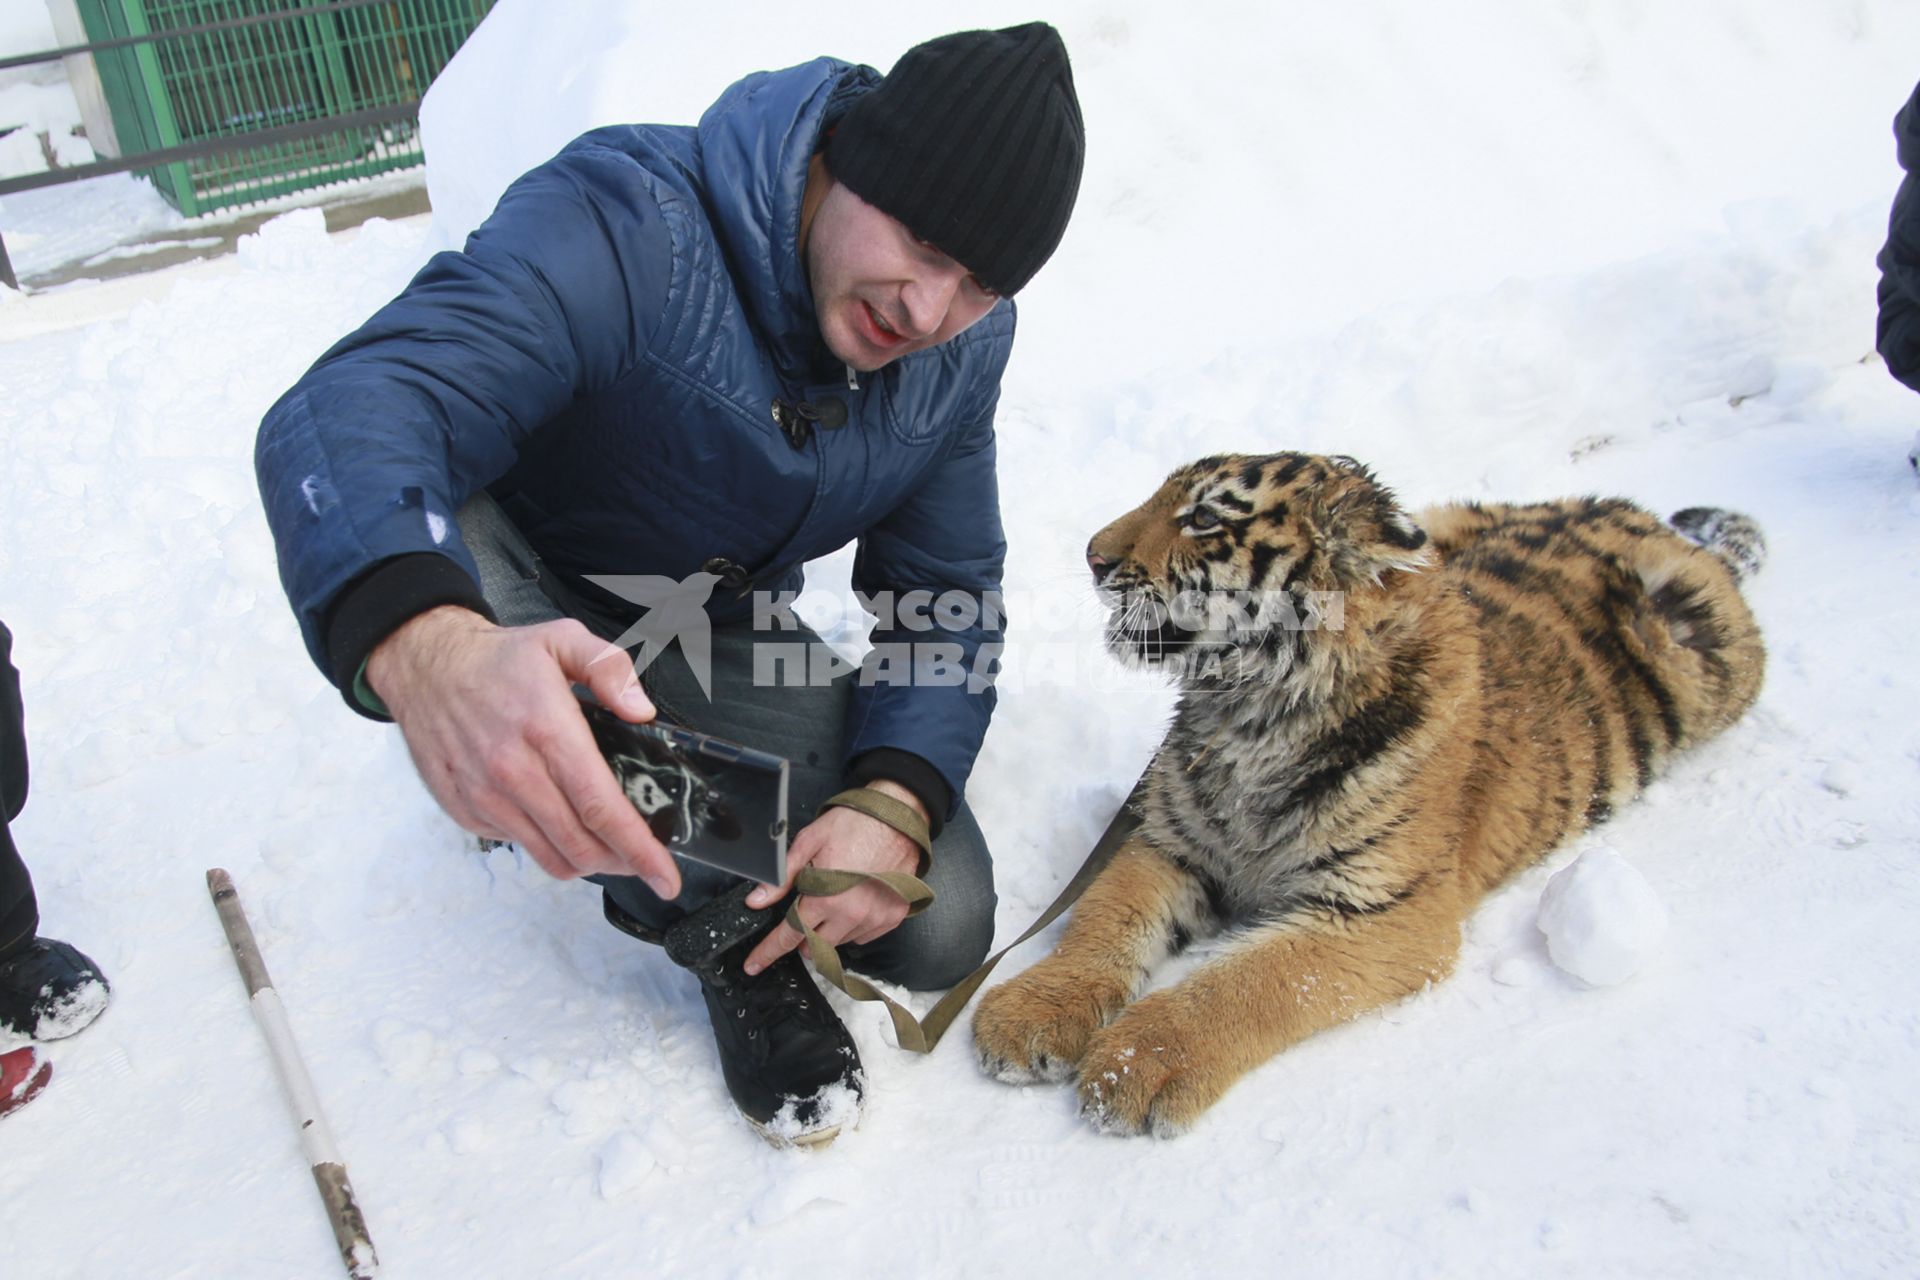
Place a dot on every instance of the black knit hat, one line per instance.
(974, 141)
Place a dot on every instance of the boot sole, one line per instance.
(817, 1140)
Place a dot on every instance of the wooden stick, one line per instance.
(329, 1172)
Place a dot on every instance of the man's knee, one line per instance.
(928, 953)
(948, 941)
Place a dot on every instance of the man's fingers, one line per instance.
(520, 797)
(799, 854)
(594, 799)
(558, 822)
(515, 824)
(859, 915)
(854, 916)
(766, 893)
(604, 668)
(549, 859)
(783, 939)
(877, 930)
(521, 763)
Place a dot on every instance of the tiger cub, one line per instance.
(1380, 720)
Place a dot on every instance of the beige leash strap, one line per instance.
(897, 814)
(920, 1035)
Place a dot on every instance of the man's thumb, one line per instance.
(608, 671)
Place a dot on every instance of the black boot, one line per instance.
(789, 1061)
(48, 990)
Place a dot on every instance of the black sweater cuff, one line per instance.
(375, 604)
(912, 772)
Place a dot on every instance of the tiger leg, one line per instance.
(1170, 1056)
(1131, 917)
(1696, 632)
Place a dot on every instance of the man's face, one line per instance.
(879, 293)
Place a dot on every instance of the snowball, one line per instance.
(404, 1050)
(97, 758)
(466, 1134)
(1514, 971)
(1841, 778)
(477, 1062)
(790, 1195)
(1754, 377)
(624, 1164)
(1602, 919)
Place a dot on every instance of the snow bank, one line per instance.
(35, 101)
(26, 28)
(535, 76)
(1267, 173)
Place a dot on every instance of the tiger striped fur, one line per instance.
(1435, 704)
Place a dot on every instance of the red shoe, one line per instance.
(22, 1077)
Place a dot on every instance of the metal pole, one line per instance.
(329, 1171)
(195, 150)
(181, 32)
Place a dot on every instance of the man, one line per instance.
(1898, 332)
(702, 357)
(48, 990)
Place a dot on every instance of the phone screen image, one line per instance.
(714, 801)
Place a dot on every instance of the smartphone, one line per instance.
(717, 802)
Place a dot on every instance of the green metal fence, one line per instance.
(222, 69)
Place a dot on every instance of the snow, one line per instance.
(625, 1163)
(1602, 919)
(1495, 249)
(38, 108)
(834, 1108)
(56, 225)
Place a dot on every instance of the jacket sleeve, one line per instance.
(363, 463)
(1898, 334)
(927, 686)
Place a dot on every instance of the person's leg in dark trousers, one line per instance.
(48, 990)
(19, 911)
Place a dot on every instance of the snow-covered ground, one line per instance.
(39, 114)
(1494, 248)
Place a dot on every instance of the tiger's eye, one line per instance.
(1201, 518)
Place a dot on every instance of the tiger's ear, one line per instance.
(1365, 535)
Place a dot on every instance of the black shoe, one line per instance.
(48, 991)
(789, 1061)
(623, 920)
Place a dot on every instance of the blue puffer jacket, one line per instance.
(605, 357)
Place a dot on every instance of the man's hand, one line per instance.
(842, 840)
(497, 734)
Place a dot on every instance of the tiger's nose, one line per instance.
(1099, 564)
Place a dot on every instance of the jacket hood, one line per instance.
(755, 143)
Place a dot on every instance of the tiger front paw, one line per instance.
(1146, 1073)
(1037, 1026)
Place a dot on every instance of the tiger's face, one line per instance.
(1241, 556)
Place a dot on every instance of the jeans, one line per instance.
(806, 724)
